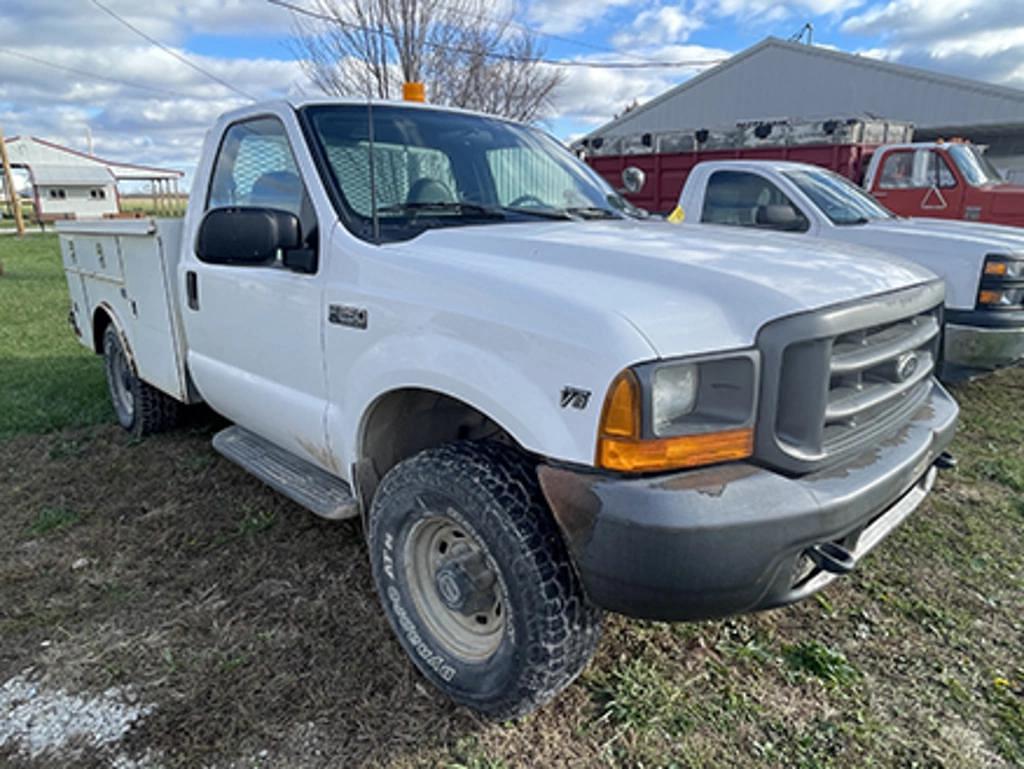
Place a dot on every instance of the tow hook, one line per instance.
(832, 557)
(945, 461)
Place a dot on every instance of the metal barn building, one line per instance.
(68, 184)
(777, 80)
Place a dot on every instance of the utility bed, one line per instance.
(128, 268)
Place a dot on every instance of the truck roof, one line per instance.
(776, 165)
(310, 101)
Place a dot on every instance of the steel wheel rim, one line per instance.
(474, 637)
(120, 380)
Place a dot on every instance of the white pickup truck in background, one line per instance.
(983, 264)
(443, 323)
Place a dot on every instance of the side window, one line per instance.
(936, 170)
(897, 172)
(742, 199)
(915, 169)
(255, 167)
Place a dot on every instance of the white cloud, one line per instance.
(590, 97)
(664, 24)
(564, 16)
(161, 110)
(982, 39)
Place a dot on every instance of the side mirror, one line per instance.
(780, 217)
(246, 236)
(633, 179)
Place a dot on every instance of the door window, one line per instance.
(255, 167)
(915, 169)
(743, 199)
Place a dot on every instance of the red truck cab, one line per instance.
(948, 180)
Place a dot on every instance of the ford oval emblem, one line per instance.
(906, 366)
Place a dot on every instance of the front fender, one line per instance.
(525, 401)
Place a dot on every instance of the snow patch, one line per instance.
(36, 719)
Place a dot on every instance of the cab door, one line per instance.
(255, 348)
(919, 182)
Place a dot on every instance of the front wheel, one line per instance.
(141, 409)
(476, 581)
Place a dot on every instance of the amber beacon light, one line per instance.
(414, 91)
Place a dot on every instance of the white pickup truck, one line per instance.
(983, 264)
(442, 322)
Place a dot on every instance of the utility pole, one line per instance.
(12, 193)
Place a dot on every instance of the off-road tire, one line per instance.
(150, 411)
(551, 630)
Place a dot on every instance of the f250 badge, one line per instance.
(575, 397)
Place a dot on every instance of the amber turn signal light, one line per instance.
(995, 268)
(620, 446)
(639, 456)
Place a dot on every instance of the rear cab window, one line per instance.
(743, 199)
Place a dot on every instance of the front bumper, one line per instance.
(732, 539)
(981, 349)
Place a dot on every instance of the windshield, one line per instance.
(442, 169)
(842, 201)
(973, 164)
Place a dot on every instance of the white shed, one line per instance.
(68, 184)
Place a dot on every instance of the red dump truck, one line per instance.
(945, 179)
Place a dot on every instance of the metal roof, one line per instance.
(779, 79)
(35, 153)
(52, 174)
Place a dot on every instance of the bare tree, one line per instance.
(466, 56)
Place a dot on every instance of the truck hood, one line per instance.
(686, 290)
(1007, 199)
(946, 235)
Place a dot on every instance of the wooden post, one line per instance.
(12, 193)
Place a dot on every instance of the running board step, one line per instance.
(298, 479)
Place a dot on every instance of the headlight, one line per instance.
(672, 414)
(1008, 267)
(673, 395)
(1008, 297)
(1002, 283)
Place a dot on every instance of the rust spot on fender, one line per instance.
(573, 503)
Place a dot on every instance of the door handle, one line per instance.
(192, 289)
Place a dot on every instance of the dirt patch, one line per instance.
(249, 631)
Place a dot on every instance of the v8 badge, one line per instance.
(575, 397)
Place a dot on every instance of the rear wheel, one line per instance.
(476, 581)
(141, 409)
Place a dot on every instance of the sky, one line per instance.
(159, 109)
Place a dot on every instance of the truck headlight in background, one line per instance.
(1002, 282)
(668, 415)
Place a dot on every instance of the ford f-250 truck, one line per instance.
(443, 323)
(983, 264)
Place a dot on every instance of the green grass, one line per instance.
(52, 519)
(48, 381)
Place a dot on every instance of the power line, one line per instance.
(172, 52)
(94, 75)
(650, 64)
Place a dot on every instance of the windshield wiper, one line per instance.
(593, 212)
(543, 213)
(858, 220)
(455, 207)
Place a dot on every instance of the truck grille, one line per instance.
(876, 373)
(836, 380)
